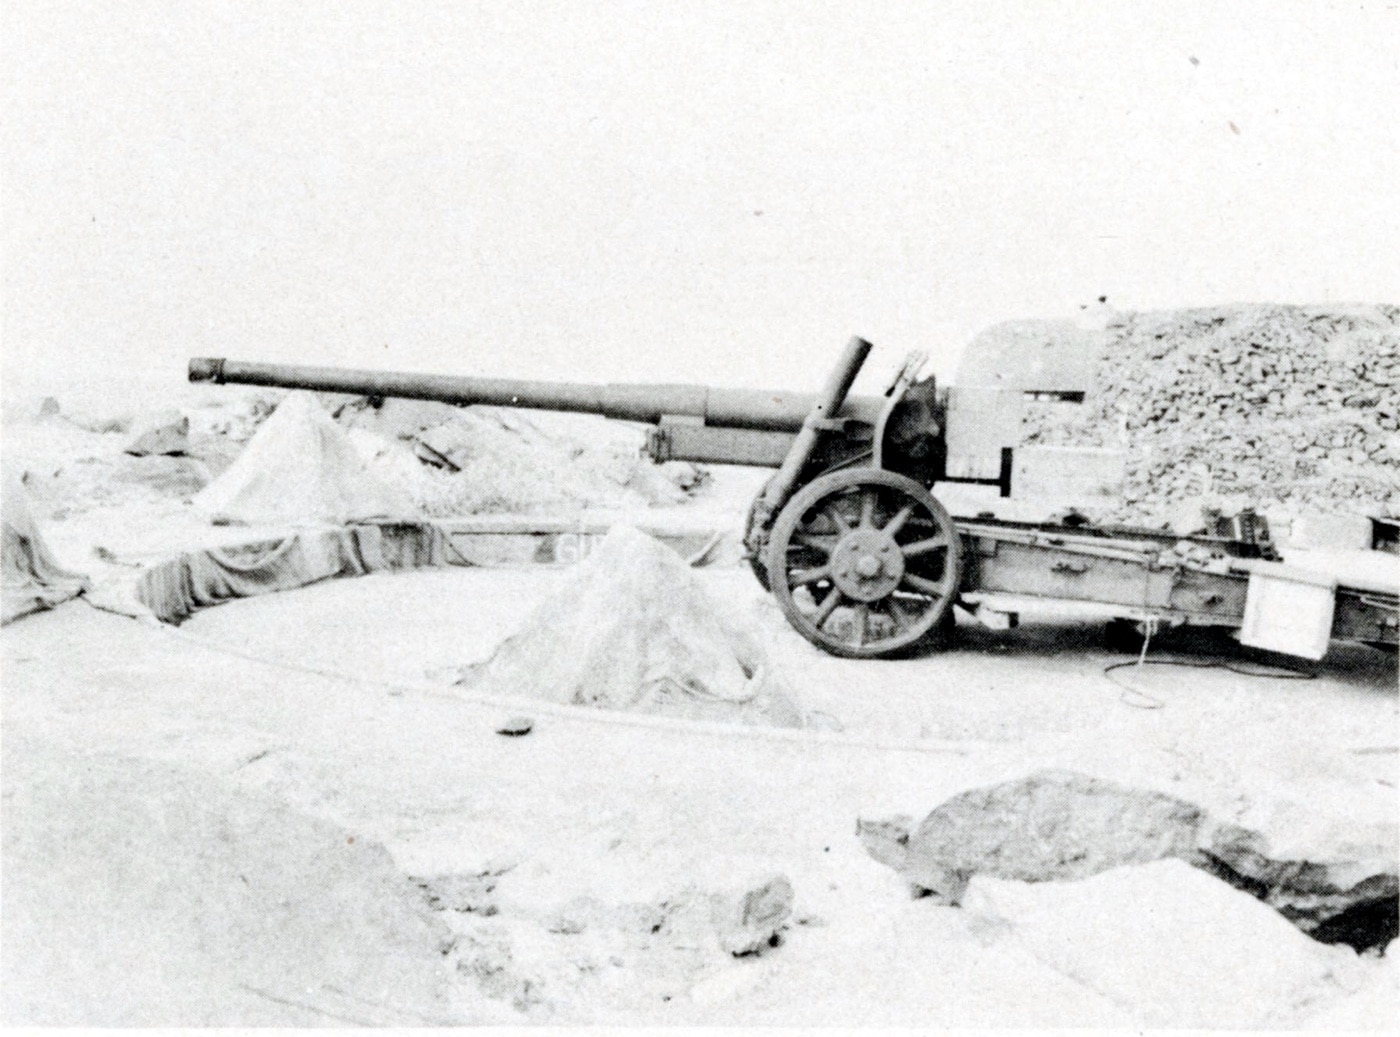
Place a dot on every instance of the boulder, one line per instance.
(1346, 894)
(1051, 825)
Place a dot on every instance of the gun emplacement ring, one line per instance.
(864, 562)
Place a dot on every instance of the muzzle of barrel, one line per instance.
(207, 369)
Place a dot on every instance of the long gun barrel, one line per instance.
(721, 408)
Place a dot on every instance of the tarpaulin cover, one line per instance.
(631, 628)
(32, 579)
(176, 589)
(300, 468)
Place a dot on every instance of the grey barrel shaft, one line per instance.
(727, 408)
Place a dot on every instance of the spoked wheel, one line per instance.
(865, 563)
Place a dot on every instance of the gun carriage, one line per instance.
(848, 534)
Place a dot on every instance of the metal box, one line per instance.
(1288, 610)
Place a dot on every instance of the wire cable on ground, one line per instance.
(1142, 700)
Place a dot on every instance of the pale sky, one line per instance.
(719, 192)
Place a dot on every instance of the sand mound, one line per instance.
(299, 467)
(69, 471)
(96, 482)
(136, 894)
(630, 628)
(481, 460)
(1289, 406)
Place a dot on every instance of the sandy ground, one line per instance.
(185, 809)
(321, 699)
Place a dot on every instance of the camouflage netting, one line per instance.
(1289, 408)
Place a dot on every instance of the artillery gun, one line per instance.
(847, 534)
(847, 524)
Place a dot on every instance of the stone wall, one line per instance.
(1286, 408)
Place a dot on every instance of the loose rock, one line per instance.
(748, 921)
(164, 433)
(516, 726)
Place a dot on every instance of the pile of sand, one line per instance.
(138, 894)
(68, 470)
(300, 467)
(630, 628)
(79, 465)
(473, 460)
(421, 458)
(1280, 407)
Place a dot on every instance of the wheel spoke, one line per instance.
(867, 507)
(899, 615)
(833, 512)
(816, 541)
(923, 585)
(901, 516)
(802, 577)
(827, 607)
(858, 628)
(923, 547)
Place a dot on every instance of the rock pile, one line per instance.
(1061, 825)
(1288, 407)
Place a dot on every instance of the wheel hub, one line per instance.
(867, 565)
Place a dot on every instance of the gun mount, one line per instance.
(847, 534)
(851, 483)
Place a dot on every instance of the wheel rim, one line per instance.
(864, 562)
